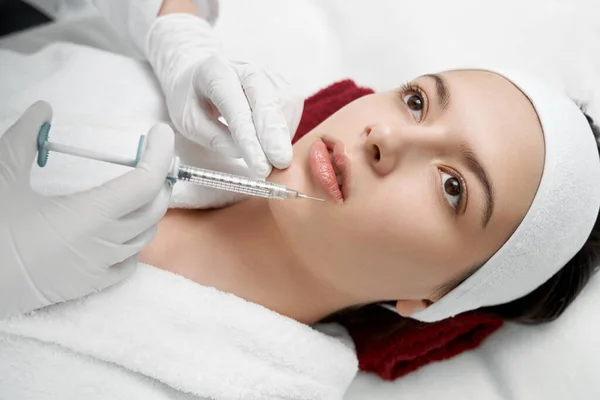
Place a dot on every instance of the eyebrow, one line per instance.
(474, 165)
(443, 94)
(467, 154)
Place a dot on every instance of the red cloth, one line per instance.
(414, 344)
(389, 345)
(321, 105)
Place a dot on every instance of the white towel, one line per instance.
(158, 336)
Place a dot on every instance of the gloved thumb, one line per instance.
(18, 145)
(141, 185)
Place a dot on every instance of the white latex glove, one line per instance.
(261, 110)
(54, 249)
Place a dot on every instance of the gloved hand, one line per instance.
(54, 249)
(261, 110)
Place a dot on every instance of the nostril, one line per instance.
(376, 152)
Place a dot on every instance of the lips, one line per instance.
(328, 165)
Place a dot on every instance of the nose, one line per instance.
(387, 146)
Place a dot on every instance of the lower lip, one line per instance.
(322, 170)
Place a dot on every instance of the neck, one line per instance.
(240, 250)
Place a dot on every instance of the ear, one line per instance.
(406, 308)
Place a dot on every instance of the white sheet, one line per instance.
(555, 362)
(380, 45)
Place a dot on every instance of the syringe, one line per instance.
(198, 176)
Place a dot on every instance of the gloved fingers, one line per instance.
(210, 133)
(269, 120)
(292, 103)
(135, 245)
(129, 192)
(127, 266)
(18, 146)
(120, 271)
(142, 219)
(219, 82)
(130, 249)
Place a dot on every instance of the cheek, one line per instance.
(398, 217)
(400, 241)
(397, 207)
(389, 242)
(388, 234)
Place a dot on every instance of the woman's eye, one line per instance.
(453, 189)
(415, 105)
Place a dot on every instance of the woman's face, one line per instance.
(435, 178)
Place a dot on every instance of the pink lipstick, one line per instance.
(328, 165)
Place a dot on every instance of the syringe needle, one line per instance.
(303, 196)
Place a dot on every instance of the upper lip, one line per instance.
(340, 162)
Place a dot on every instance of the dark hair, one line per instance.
(544, 304)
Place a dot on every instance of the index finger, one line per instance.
(221, 85)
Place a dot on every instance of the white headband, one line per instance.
(559, 220)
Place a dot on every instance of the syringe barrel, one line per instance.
(231, 183)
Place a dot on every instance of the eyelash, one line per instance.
(409, 87)
(463, 186)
